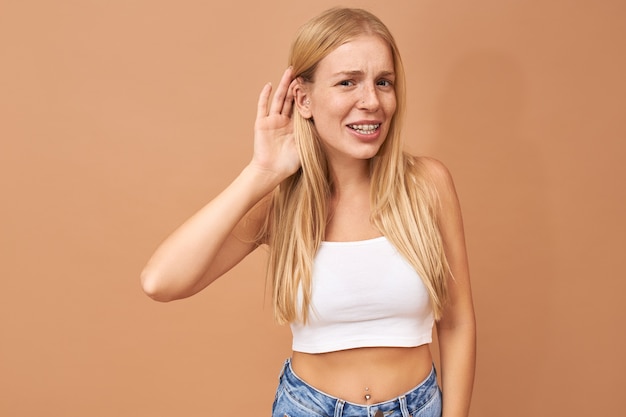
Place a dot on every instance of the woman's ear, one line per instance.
(302, 99)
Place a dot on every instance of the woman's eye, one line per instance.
(346, 83)
(385, 83)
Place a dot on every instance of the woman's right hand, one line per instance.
(275, 151)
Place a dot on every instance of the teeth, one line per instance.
(365, 129)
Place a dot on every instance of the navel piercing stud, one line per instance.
(367, 394)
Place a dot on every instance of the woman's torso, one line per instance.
(382, 373)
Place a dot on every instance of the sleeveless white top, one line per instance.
(364, 294)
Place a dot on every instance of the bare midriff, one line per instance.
(365, 375)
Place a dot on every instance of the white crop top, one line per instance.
(364, 294)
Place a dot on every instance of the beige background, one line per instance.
(120, 118)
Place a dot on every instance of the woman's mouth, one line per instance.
(366, 129)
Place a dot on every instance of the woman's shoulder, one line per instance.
(437, 178)
(431, 169)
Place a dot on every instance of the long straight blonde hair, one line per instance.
(403, 200)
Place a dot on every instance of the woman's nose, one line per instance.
(369, 99)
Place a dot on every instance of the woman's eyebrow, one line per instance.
(350, 73)
(353, 73)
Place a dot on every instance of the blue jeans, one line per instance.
(295, 398)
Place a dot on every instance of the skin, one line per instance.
(352, 85)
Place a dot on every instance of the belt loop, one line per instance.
(339, 408)
(404, 407)
(282, 370)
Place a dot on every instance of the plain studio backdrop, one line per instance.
(120, 118)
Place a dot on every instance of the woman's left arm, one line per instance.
(456, 329)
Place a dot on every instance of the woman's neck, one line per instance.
(349, 178)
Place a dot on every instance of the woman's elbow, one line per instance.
(153, 285)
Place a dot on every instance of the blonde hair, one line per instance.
(404, 202)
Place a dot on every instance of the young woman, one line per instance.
(366, 242)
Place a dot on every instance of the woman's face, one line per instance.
(352, 98)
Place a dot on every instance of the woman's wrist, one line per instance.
(264, 178)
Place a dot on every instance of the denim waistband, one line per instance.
(329, 405)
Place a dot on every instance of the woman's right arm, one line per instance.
(220, 235)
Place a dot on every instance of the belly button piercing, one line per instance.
(367, 394)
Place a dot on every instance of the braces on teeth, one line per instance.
(364, 129)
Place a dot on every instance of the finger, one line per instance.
(289, 99)
(278, 101)
(261, 109)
